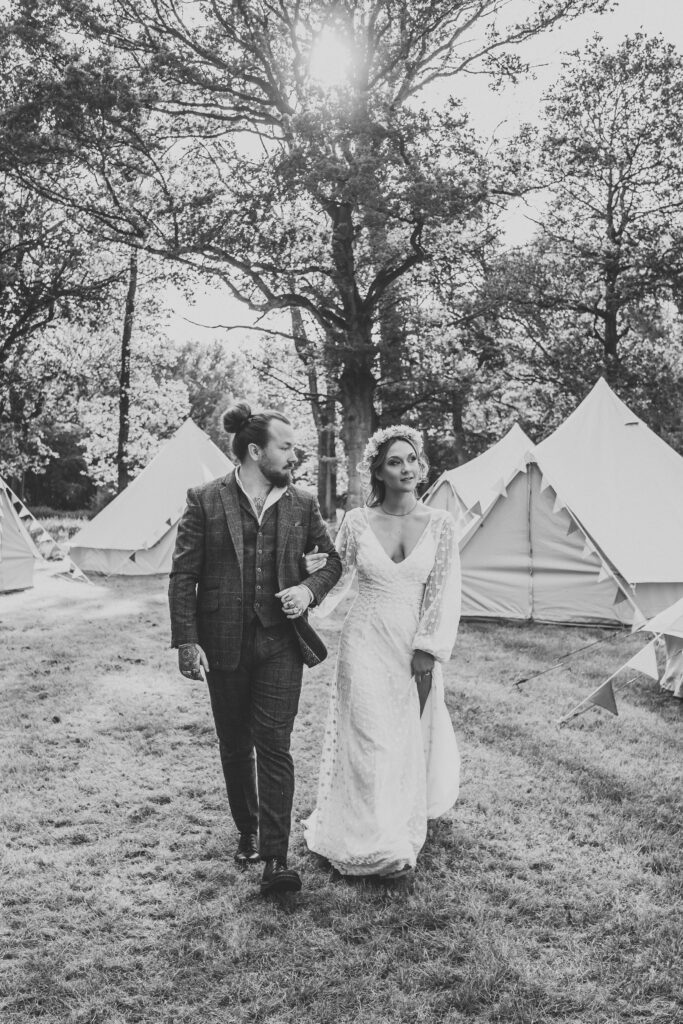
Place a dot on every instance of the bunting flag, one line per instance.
(500, 488)
(476, 509)
(645, 661)
(573, 526)
(545, 483)
(639, 621)
(588, 549)
(604, 573)
(603, 697)
(559, 504)
(620, 597)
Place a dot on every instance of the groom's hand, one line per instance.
(192, 661)
(295, 600)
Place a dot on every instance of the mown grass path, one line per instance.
(552, 893)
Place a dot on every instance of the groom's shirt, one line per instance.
(273, 496)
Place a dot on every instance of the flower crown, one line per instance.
(380, 437)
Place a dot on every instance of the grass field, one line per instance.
(553, 892)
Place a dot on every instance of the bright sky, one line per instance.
(494, 114)
(501, 113)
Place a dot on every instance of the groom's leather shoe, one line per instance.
(277, 877)
(247, 850)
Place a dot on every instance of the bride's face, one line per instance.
(400, 471)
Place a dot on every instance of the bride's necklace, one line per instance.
(399, 515)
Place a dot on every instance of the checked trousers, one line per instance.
(254, 707)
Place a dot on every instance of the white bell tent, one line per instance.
(585, 528)
(625, 485)
(469, 490)
(135, 533)
(18, 553)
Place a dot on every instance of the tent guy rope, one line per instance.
(571, 654)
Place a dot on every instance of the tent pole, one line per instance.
(531, 545)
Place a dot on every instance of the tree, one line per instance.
(159, 403)
(609, 246)
(335, 187)
(55, 146)
(452, 358)
(214, 378)
(49, 272)
(46, 268)
(44, 381)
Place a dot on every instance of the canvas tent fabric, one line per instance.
(135, 534)
(583, 528)
(528, 558)
(472, 488)
(625, 485)
(18, 553)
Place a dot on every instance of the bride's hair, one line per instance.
(376, 452)
(249, 428)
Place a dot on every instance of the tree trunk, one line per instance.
(612, 271)
(354, 351)
(392, 342)
(123, 474)
(327, 461)
(322, 410)
(457, 406)
(611, 329)
(392, 335)
(359, 421)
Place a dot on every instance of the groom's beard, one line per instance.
(277, 477)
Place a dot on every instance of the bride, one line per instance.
(389, 759)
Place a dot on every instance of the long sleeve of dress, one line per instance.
(440, 611)
(345, 544)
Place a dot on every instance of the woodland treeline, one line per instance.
(313, 160)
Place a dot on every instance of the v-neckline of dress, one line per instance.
(384, 550)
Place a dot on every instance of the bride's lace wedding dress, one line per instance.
(384, 770)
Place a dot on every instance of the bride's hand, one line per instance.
(314, 560)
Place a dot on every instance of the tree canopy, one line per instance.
(213, 134)
(288, 152)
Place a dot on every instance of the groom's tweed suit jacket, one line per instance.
(206, 586)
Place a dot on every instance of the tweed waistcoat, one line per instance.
(259, 580)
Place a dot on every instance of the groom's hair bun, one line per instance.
(236, 417)
(249, 427)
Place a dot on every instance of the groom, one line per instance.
(238, 601)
